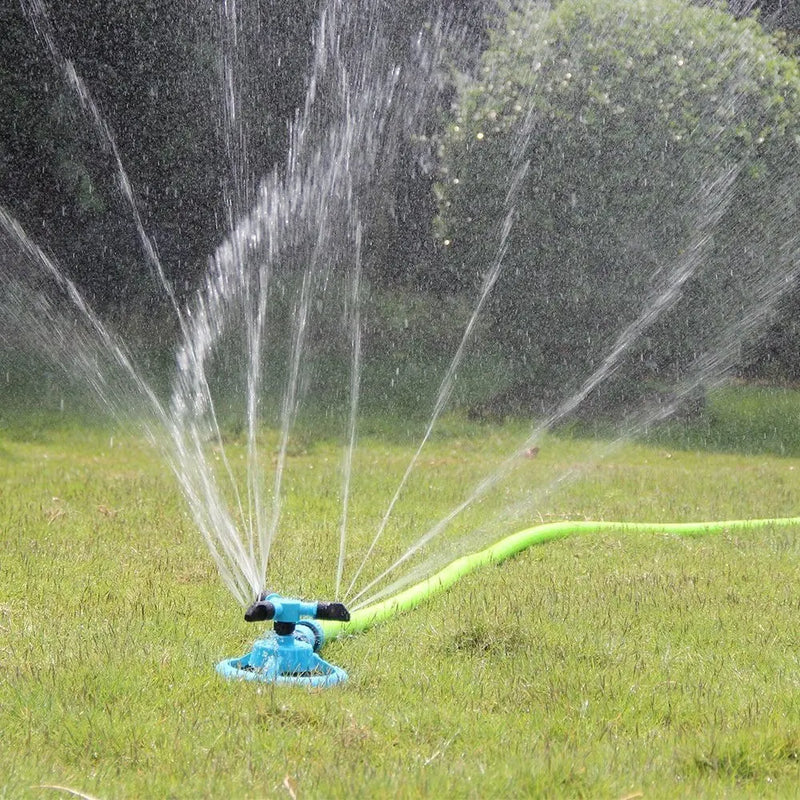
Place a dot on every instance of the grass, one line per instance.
(746, 419)
(602, 666)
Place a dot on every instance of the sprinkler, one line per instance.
(288, 654)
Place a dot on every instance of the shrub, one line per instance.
(624, 138)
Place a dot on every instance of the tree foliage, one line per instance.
(153, 67)
(161, 72)
(614, 134)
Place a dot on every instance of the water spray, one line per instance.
(289, 653)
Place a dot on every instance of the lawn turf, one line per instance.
(608, 665)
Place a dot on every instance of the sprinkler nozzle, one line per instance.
(332, 611)
(260, 611)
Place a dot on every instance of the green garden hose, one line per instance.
(511, 545)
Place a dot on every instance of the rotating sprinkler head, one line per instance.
(289, 653)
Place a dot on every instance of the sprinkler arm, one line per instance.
(290, 611)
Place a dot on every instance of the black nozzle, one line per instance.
(260, 611)
(333, 611)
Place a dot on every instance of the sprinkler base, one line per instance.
(283, 660)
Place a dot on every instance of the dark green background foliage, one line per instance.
(605, 189)
(153, 68)
(636, 109)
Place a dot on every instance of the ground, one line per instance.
(606, 665)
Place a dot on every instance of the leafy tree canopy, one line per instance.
(606, 143)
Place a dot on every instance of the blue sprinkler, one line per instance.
(288, 654)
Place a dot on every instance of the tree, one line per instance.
(152, 67)
(622, 139)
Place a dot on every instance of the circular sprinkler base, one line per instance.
(283, 660)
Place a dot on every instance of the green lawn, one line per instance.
(600, 666)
